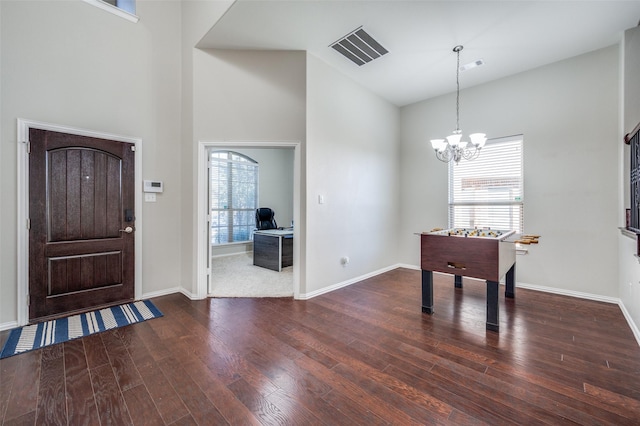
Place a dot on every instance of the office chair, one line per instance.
(265, 219)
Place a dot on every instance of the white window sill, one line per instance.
(627, 233)
(112, 9)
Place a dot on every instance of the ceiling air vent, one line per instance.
(359, 47)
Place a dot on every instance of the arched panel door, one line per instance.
(82, 223)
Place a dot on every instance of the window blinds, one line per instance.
(233, 196)
(488, 191)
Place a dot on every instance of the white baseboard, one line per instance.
(632, 325)
(190, 295)
(571, 293)
(307, 296)
(407, 266)
(168, 291)
(8, 325)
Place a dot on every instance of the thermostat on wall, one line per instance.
(153, 186)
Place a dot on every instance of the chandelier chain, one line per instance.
(458, 91)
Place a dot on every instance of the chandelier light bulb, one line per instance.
(454, 139)
(478, 139)
(438, 144)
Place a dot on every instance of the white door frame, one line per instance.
(23, 205)
(203, 261)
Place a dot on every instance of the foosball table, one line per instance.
(477, 253)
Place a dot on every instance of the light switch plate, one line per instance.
(150, 197)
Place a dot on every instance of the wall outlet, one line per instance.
(345, 260)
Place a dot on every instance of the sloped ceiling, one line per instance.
(509, 36)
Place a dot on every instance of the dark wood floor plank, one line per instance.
(52, 408)
(463, 407)
(123, 366)
(170, 406)
(623, 405)
(81, 403)
(28, 419)
(112, 408)
(361, 355)
(190, 393)
(296, 413)
(8, 368)
(140, 354)
(141, 407)
(377, 405)
(556, 391)
(95, 351)
(263, 409)
(24, 392)
(219, 394)
(185, 421)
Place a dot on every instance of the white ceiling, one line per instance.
(511, 36)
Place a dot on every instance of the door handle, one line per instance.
(127, 230)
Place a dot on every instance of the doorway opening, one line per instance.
(226, 266)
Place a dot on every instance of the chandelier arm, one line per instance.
(470, 153)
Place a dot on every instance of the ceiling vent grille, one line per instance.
(359, 47)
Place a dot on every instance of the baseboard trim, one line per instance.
(8, 325)
(571, 293)
(407, 266)
(632, 325)
(167, 292)
(324, 290)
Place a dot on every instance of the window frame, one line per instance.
(246, 160)
(131, 17)
(517, 201)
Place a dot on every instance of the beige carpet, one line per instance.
(236, 276)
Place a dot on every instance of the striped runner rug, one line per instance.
(47, 333)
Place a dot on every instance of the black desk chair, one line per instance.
(265, 219)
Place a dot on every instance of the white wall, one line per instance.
(70, 63)
(197, 19)
(568, 112)
(352, 161)
(629, 264)
(248, 96)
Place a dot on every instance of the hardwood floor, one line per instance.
(364, 354)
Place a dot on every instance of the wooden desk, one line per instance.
(488, 258)
(273, 248)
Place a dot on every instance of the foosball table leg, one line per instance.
(493, 311)
(458, 281)
(510, 283)
(427, 292)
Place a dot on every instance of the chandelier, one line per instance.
(454, 148)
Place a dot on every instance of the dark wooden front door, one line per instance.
(81, 211)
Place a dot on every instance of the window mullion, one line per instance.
(230, 201)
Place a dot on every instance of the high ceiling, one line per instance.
(510, 36)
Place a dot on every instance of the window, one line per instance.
(124, 8)
(488, 191)
(233, 186)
